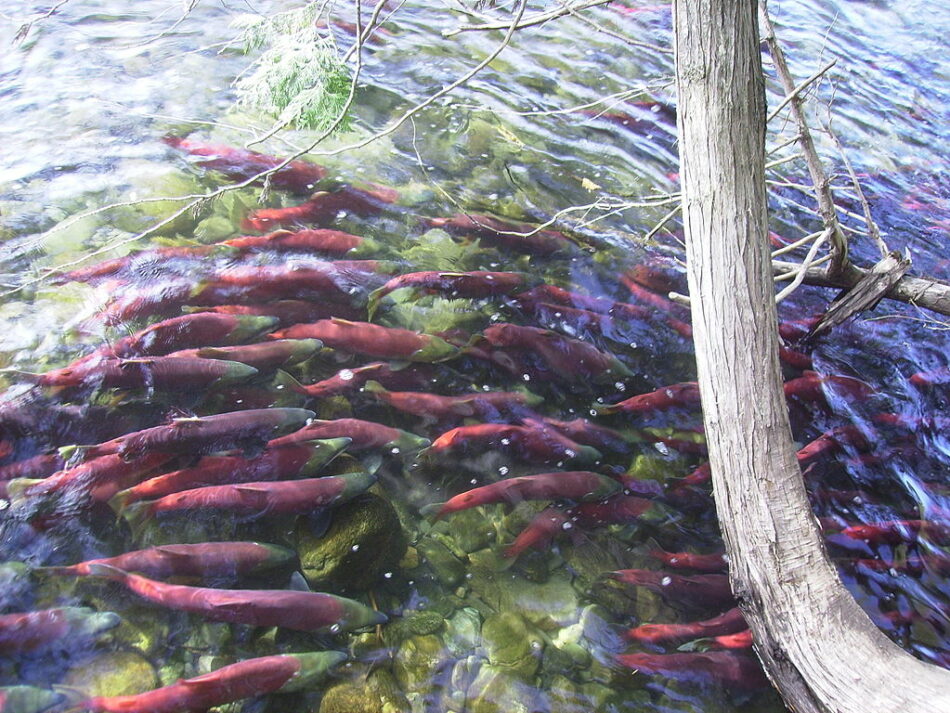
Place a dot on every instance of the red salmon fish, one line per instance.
(263, 356)
(540, 532)
(532, 444)
(516, 236)
(39, 466)
(567, 485)
(287, 312)
(324, 207)
(206, 434)
(711, 563)
(21, 633)
(289, 461)
(708, 590)
(161, 373)
(334, 242)
(154, 259)
(586, 433)
(730, 622)
(96, 480)
(672, 396)
(732, 671)
(287, 609)
(207, 559)
(739, 640)
(894, 532)
(811, 387)
(372, 340)
(452, 285)
(563, 357)
(241, 164)
(363, 435)
(282, 673)
(619, 509)
(484, 405)
(415, 376)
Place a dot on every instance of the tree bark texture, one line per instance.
(817, 645)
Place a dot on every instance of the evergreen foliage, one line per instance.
(299, 78)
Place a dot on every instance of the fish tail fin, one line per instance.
(137, 516)
(285, 380)
(60, 571)
(28, 376)
(120, 501)
(107, 571)
(18, 487)
(374, 387)
(372, 302)
(70, 696)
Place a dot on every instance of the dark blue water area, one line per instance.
(511, 604)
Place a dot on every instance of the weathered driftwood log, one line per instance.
(821, 651)
(865, 294)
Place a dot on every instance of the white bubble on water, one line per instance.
(346, 374)
(666, 581)
(503, 470)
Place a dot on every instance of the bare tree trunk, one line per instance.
(821, 651)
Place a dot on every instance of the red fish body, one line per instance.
(711, 563)
(286, 312)
(22, 633)
(675, 395)
(659, 276)
(161, 373)
(363, 435)
(811, 387)
(288, 609)
(39, 466)
(894, 532)
(586, 433)
(702, 589)
(372, 340)
(154, 259)
(570, 485)
(241, 164)
(207, 559)
(282, 673)
(540, 532)
(186, 332)
(619, 509)
(289, 461)
(455, 285)
(730, 622)
(732, 671)
(642, 294)
(417, 376)
(527, 443)
(282, 497)
(324, 207)
(334, 242)
(831, 441)
(96, 480)
(263, 356)
(205, 435)
(563, 357)
(482, 404)
(516, 236)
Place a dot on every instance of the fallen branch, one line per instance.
(531, 21)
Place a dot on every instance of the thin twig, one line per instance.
(537, 19)
(618, 36)
(806, 263)
(796, 92)
(797, 244)
(663, 221)
(826, 206)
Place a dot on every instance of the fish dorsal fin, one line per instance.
(172, 551)
(340, 320)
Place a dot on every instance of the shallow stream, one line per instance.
(570, 124)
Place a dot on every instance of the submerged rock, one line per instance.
(417, 665)
(510, 646)
(365, 540)
(448, 568)
(498, 691)
(378, 693)
(122, 673)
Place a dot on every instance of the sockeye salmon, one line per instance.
(264, 356)
(283, 673)
(451, 285)
(516, 236)
(323, 207)
(372, 340)
(732, 671)
(161, 373)
(485, 405)
(287, 609)
(707, 590)
(568, 485)
(363, 435)
(64, 627)
(237, 429)
(531, 443)
(241, 164)
(207, 559)
(289, 461)
(730, 622)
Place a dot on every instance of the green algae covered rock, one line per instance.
(417, 661)
(510, 646)
(365, 540)
(498, 691)
(378, 693)
(120, 673)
